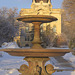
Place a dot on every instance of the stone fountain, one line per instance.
(36, 56)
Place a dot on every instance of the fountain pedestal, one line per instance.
(36, 67)
(36, 42)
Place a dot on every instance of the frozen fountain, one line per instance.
(36, 56)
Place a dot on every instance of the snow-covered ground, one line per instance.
(10, 45)
(9, 64)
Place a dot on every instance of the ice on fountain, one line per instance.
(10, 45)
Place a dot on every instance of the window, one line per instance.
(27, 29)
(54, 28)
(27, 38)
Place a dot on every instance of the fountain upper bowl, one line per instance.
(37, 18)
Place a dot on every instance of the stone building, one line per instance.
(39, 7)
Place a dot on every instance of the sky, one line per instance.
(25, 3)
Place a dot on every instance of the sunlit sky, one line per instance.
(25, 3)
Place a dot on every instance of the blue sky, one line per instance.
(25, 3)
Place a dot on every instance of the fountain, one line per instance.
(36, 55)
(36, 50)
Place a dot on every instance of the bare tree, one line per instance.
(68, 18)
(8, 24)
(48, 36)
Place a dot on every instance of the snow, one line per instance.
(9, 64)
(63, 47)
(10, 45)
(69, 56)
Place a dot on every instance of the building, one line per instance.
(39, 7)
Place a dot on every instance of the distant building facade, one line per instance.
(38, 7)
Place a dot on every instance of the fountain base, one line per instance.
(36, 67)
